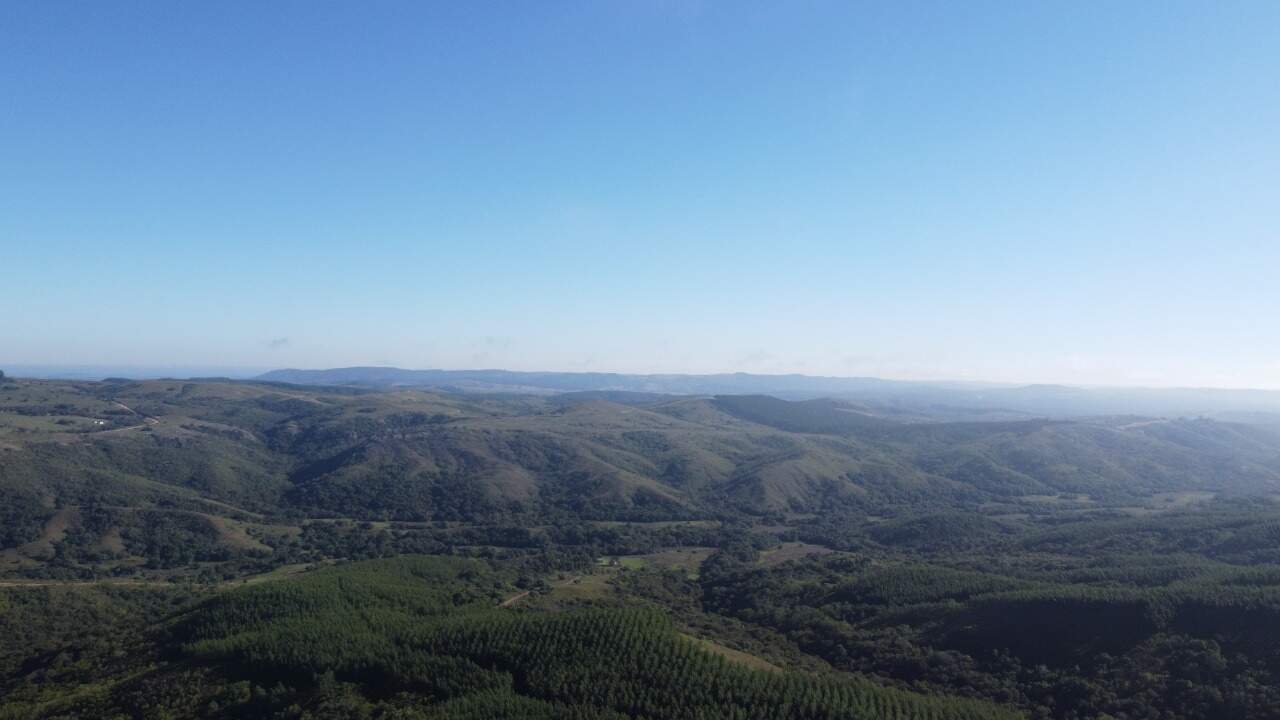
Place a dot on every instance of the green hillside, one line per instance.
(239, 549)
(412, 455)
(101, 473)
(420, 637)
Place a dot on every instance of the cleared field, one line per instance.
(1182, 499)
(281, 572)
(234, 534)
(735, 655)
(659, 524)
(14, 423)
(688, 559)
(1061, 499)
(791, 551)
(583, 587)
(631, 562)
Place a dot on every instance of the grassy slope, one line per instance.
(244, 450)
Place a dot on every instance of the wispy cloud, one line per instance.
(277, 343)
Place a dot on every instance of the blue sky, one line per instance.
(1079, 192)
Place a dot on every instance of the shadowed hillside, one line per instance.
(249, 450)
(414, 455)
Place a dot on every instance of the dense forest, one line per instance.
(233, 549)
(419, 637)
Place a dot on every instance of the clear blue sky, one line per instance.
(1080, 192)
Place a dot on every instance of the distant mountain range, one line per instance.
(935, 400)
(133, 372)
(550, 382)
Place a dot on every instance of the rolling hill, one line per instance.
(248, 545)
(245, 450)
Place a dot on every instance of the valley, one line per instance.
(927, 568)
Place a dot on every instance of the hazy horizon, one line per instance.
(95, 371)
(1017, 193)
